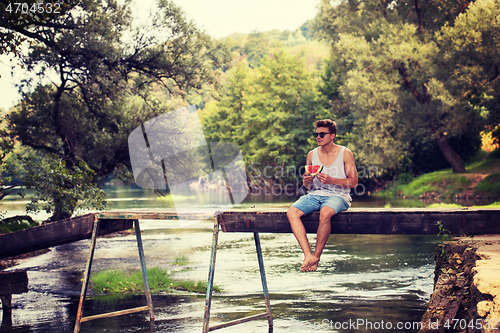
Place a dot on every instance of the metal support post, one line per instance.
(211, 271)
(208, 302)
(144, 270)
(86, 277)
(264, 281)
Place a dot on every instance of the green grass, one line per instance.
(444, 184)
(493, 205)
(483, 166)
(160, 280)
(181, 260)
(489, 186)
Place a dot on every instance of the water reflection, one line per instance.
(365, 277)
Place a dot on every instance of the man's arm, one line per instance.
(350, 169)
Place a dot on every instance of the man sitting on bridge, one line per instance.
(329, 191)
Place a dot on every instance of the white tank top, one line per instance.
(335, 170)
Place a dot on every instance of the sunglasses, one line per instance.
(321, 134)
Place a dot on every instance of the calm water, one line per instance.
(372, 281)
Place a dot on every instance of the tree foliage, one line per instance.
(270, 113)
(28, 16)
(60, 188)
(393, 77)
(257, 45)
(471, 57)
(102, 75)
(5, 148)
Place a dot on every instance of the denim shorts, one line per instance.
(310, 203)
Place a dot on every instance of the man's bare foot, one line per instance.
(314, 267)
(310, 263)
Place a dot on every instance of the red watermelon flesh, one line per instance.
(313, 170)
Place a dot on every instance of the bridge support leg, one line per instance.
(208, 301)
(211, 272)
(144, 270)
(6, 313)
(264, 281)
(86, 277)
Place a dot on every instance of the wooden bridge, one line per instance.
(462, 221)
(354, 221)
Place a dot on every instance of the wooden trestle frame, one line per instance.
(166, 215)
(86, 276)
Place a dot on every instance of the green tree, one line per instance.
(8, 184)
(61, 189)
(5, 148)
(270, 113)
(386, 75)
(257, 45)
(470, 51)
(25, 16)
(111, 76)
(256, 48)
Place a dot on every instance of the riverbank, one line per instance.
(480, 184)
(466, 286)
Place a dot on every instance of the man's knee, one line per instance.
(326, 214)
(293, 212)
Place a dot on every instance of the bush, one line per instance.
(15, 223)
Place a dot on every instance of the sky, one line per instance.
(219, 18)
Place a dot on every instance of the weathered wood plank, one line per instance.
(169, 214)
(355, 220)
(13, 283)
(370, 221)
(57, 233)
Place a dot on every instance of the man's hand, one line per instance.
(324, 178)
(308, 179)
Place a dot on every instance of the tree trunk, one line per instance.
(62, 210)
(59, 215)
(453, 158)
(425, 99)
(420, 18)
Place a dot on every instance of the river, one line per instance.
(369, 283)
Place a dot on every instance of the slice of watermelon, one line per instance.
(313, 170)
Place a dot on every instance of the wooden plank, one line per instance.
(115, 313)
(13, 283)
(154, 215)
(239, 321)
(56, 233)
(370, 221)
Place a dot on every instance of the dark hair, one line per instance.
(332, 126)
